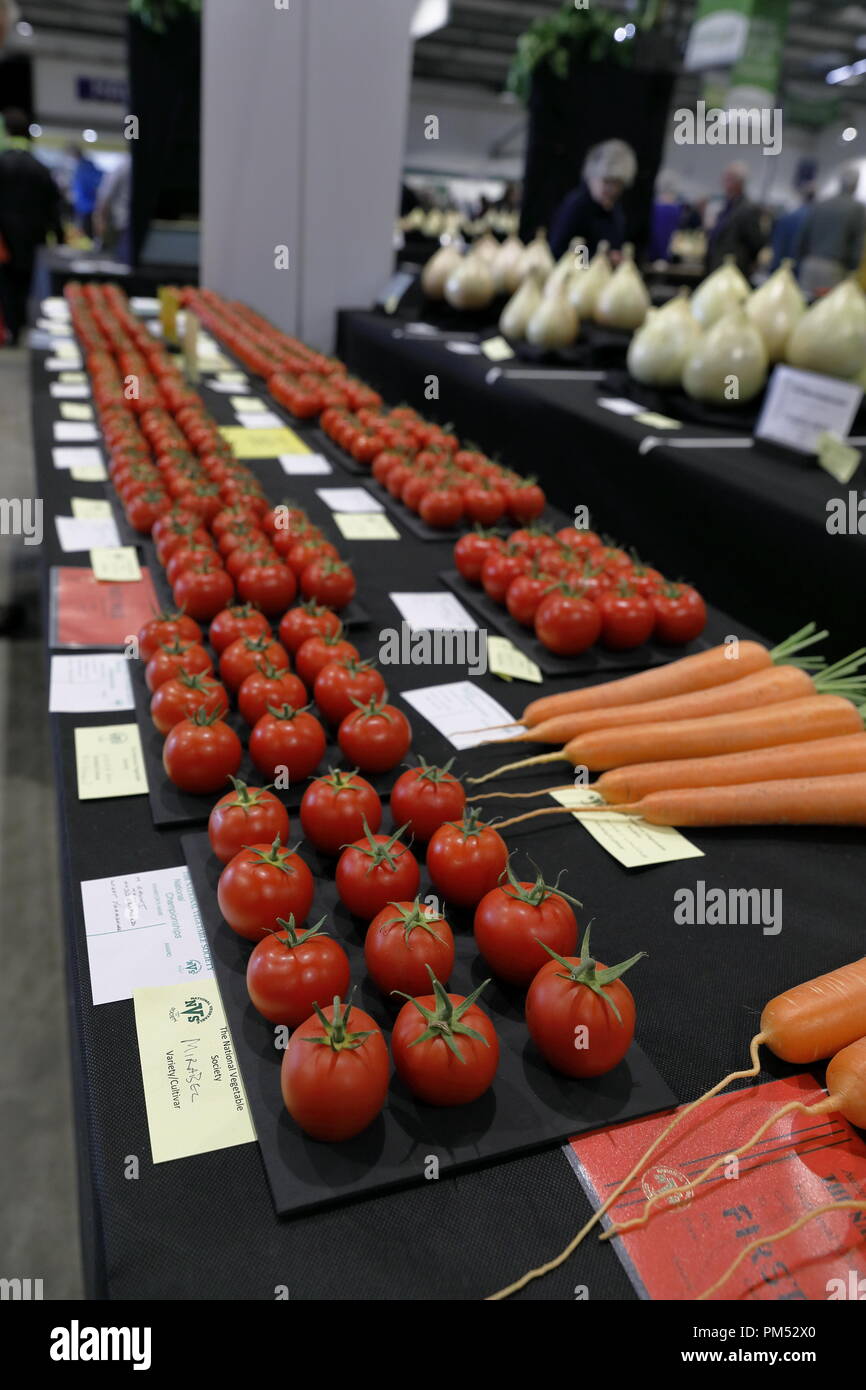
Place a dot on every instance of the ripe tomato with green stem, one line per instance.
(175, 656)
(290, 971)
(517, 919)
(335, 1072)
(290, 738)
(375, 736)
(580, 1014)
(310, 619)
(335, 808)
(445, 1048)
(680, 613)
(201, 753)
(180, 697)
(627, 618)
(247, 654)
(246, 816)
(203, 590)
(472, 550)
(426, 796)
(269, 584)
(465, 859)
(347, 684)
(317, 651)
(239, 620)
(329, 581)
(267, 687)
(374, 871)
(525, 500)
(402, 941)
(262, 884)
(566, 623)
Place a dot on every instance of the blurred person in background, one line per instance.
(111, 213)
(737, 230)
(667, 217)
(830, 244)
(593, 209)
(785, 239)
(83, 187)
(30, 205)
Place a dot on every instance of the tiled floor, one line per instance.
(38, 1209)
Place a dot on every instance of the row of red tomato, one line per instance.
(421, 463)
(572, 590)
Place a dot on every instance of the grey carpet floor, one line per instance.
(38, 1208)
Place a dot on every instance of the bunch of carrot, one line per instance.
(821, 1018)
(725, 737)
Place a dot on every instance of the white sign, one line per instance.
(800, 406)
(65, 432)
(436, 610)
(296, 465)
(716, 41)
(143, 930)
(84, 533)
(459, 710)
(349, 499)
(91, 682)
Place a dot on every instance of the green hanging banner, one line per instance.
(756, 74)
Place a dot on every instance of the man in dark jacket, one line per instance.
(737, 231)
(29, 210)
(593, 210)
(830, 244)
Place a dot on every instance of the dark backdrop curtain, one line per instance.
(597, 101)
(165, 94)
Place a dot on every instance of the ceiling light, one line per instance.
(24, 29)
(35, 130)
(836, 74)
(849, 133)
(90, 136)
(620, 35)
(630, 31)
(429, 16)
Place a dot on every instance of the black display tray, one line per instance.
(170, 806)
(528, 1106)
(589, 663)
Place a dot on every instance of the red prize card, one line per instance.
(689, 1242)
(88, 612)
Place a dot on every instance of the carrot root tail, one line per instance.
(510, 767)
(754, 1048)
(848, 1204)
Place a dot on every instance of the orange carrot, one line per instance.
(716, 666)
(837, 800)
(791, 721)
(766, 687)
(817, 758)
(827, 1012)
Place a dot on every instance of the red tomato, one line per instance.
(335, 1073)
(680, 614)
(247, 553)
(484, 504)
(246, 816)
(402, 941)
(465, 859)
(271, 687)
(525, 500)
(305, 549)
(627, 619)
(376, 870)
(330, 582)
(203, 590)
(472, 550)
(201, 753)
(314, 654)
(499, 569)
(580, 1015)
(445, 1048)
(567, 624)
(340, 685)
(287, 738)
(291, 971)
(180, 697)
(262, 884)
(376, 737)
(269, 584)
(441, 507)
(247, 654)
(524, 594)
(425, 797)
(514, 918)
(241, 620)
(310, 619)
(188, 556)
(335, 808)
(173, 657)
(645, 579)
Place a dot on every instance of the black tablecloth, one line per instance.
(748, 526)
(204, 1227)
